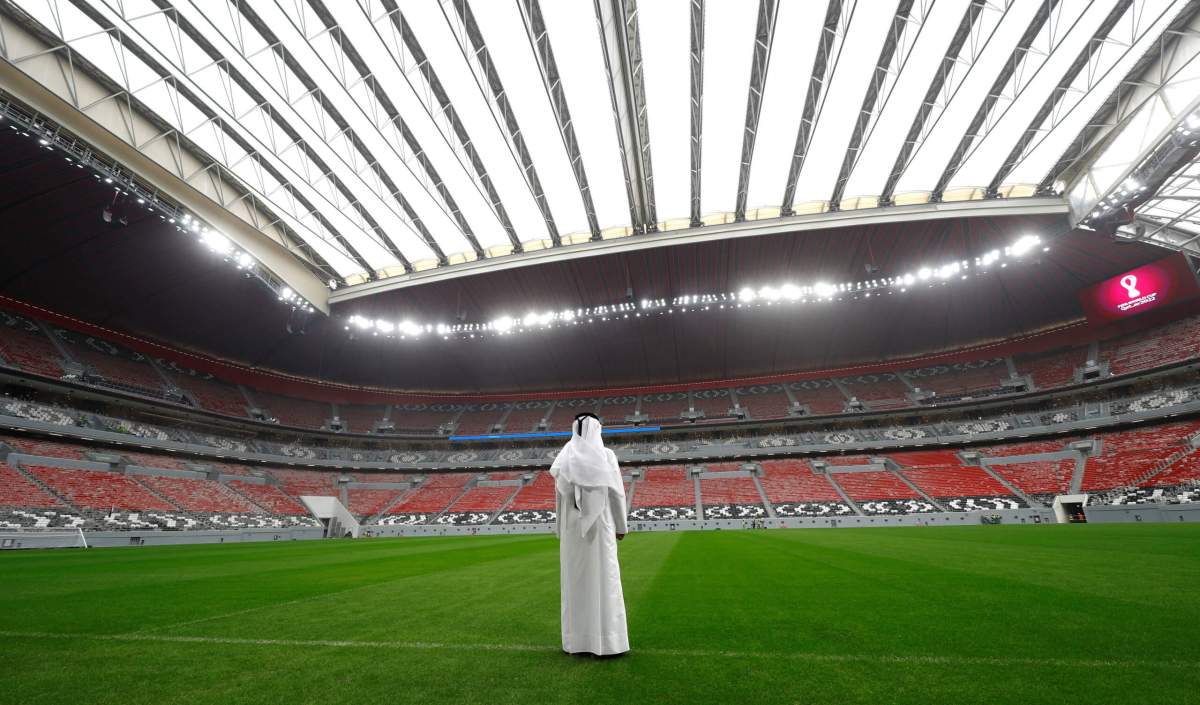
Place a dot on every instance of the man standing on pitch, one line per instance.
(590, 521)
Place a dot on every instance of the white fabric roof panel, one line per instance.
(375, 167)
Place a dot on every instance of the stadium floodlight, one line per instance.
(791, 292)
(990, 257)
(948, 270)
(924, 273)
(407, 327)
(244, 260)
(385, 327)
(530, 319)
(1024, 244)
(824, 290)
(568, 315)
(546, 318)
(1193, 121)
(217, 242)
(747, 294)
(908, 279)
(503, 324)
(360, 322)
(769, 293)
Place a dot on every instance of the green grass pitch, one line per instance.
(1021, 614)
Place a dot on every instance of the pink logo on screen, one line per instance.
(1129, 283)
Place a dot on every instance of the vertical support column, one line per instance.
(696, 484)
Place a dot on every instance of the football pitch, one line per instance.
(1006, 614)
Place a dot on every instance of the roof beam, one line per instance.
(1154, 71)
(959, 157)
(539, 41)
(764, 36)
(460, 130)
(831, 31)
(973, 13)
(163, 71)
(360, 66)
(1064, 85)
(870, 99)
(819, 224)
(620, 40)
(499, 99)
(696, 65)
(176, 167)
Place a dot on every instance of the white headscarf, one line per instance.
(584, 461)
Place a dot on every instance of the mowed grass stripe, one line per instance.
(671, 653)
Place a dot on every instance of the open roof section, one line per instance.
(396, 138)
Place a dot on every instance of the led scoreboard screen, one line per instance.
(1146, 288)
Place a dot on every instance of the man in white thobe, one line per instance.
(590, 521)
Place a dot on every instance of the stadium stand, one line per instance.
(360, 418)
(44, 448)
(664, 493)
(730, 498)
(978, 379)
(715, 403)
(613, 411)
(820, 395)
(533, 504)
(269, 497)
(1174, 342)
(294, 412)
(1127, 456)
(212, 394)
(1040, 478)
(564, 414)
(149, 460)
(794, 490)
(430, 499)
(1056, 369)
(1183, 470)
(525, 416)
(23, 345)
(298, 483)
(664, 407)
(365, 503)
(198, 495)
(97, 489)
(963, 488)
(419, 418)
(18, 491)
(478, 421)
(878, 391)
(477, 505)
(881, 493)
(764, 402)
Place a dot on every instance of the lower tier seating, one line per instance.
(664, 493)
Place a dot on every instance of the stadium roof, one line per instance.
(383, 139)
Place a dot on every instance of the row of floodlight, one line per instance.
(746, 297)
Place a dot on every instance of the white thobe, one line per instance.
(593, 606)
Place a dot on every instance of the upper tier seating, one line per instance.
(873, 485)
(842, 460)
(563, 416)
(199, 495)
(1054, 369)
(614, 411)
(422, 419)
(956, 481)
(1046, 477)
(764, 402)
(16, 490)
(95, 489)
(360, 418)
(113, 362)
(25, 346)
(878, 391)
(477, 422)
(523, 419)
(1174, 342)
(212, 394)
(925, 458)
(435, 495)
(714, 403)
(295, 412)
(821, 396)
(962, 380)
(664, 407)
(1025, 448)
(664, 486)
(270, 498)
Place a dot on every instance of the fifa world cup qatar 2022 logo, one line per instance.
(1129, 283)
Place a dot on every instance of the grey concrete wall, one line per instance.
(102, 539)
(1145, 513)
